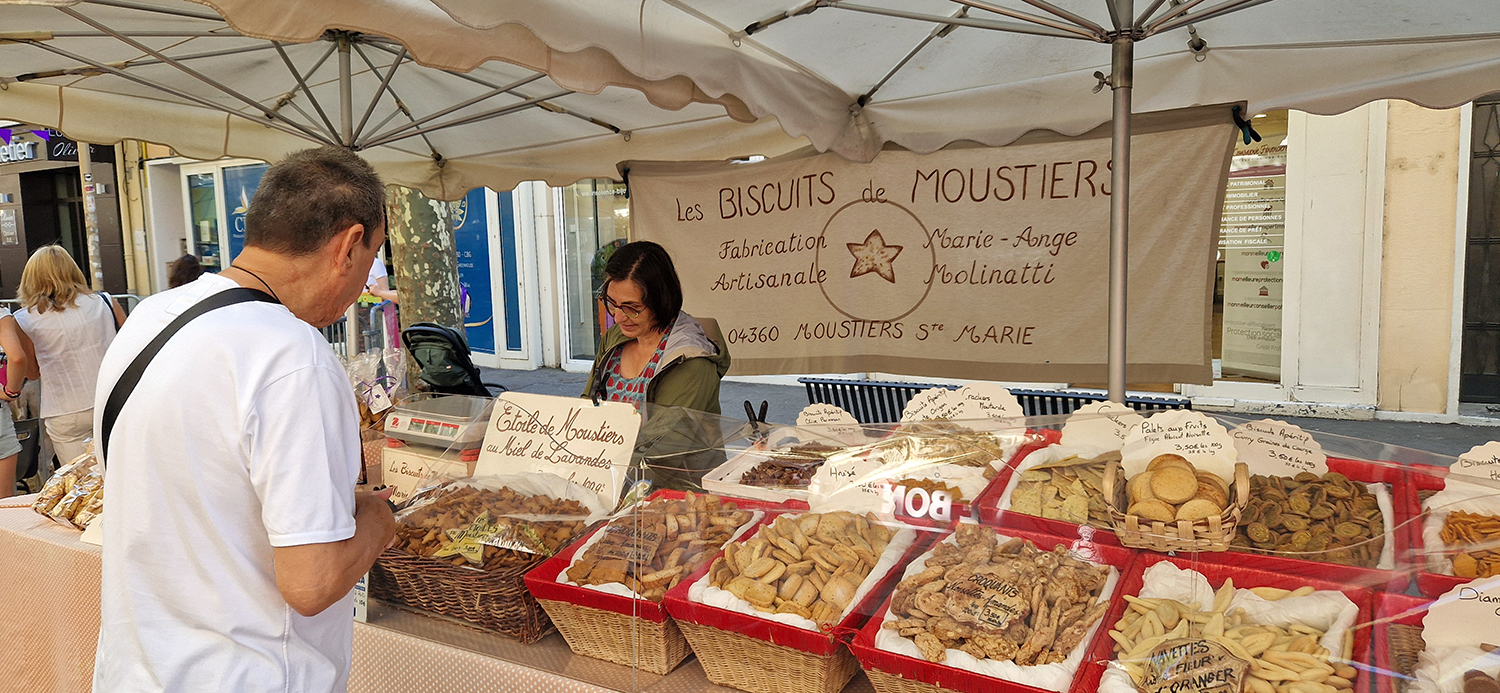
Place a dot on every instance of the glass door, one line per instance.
(595, 221)
(204, 224)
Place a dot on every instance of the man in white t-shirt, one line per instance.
(378, 283)
(234, 534)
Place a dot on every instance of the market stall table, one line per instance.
(52, 603)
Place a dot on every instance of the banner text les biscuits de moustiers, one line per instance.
(985, 263)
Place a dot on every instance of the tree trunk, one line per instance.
(425, 261)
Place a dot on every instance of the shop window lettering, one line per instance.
(1060, 180)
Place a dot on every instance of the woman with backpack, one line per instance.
(70, 327)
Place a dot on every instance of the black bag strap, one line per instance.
(132, 375)
(109, 309)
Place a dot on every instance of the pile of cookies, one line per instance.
(1171, 489)
(655, 547)
(1006, 602)
(810, 565)
(1476, 681)
(481, 527)
(1467, 531)
(792, 467)
(1071, 490)
(1282, 660)
(1323, 518)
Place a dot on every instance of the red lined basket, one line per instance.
(882, 666)
(762, 656)
(1395, 610)
(1038, 439)
(1395, 580)
(1363, 598)
(991, 514)
(1419, 478)
(647, 637)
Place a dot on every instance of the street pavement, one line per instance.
(785, 401)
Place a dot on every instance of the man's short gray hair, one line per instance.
(310, 196)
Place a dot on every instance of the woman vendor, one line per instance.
(655, 352)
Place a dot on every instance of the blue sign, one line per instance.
(240, 183)
(510, 272)
(471, 234)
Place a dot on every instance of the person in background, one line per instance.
(70, 328)
(655, 352)
(183, 270)
(378, 283)
(20, 358)
(235, 535)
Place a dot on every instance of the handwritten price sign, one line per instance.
(582, 442)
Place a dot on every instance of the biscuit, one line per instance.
(1140, 487)
(1174, 484)
(1212, 478)
(1153, 509)
(1211, 493)
(1197, 509)
(1168, 460)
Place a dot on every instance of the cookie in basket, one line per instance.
(653, 548)
(1070, 489)
(479, 527)
(1171, 489)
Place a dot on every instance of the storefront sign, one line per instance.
(9, 234)
(586, 443)
(17, 151)
(1278, 448)
(240, 184)
(60, 148)
(1467, 616)
(979, 263)
(471, 235)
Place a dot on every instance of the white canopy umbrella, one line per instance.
(432, 104)
(852, 76)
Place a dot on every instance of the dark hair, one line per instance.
(648, 265)
(312, 195)
(183, 270)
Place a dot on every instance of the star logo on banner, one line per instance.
(874, 256)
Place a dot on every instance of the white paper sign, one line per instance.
(987, 401)
(1196, 437)
(1277, 448)
(1481, 461)
(403, 468)
(1467, 616)
(588, 444)
(834, 422)
(848, 482)
(1100, 426)
(94, 533)
(925, 404)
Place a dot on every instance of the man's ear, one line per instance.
(345, 243)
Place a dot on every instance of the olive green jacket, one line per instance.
(694, 360)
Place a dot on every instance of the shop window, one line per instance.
(596, 221)
(1251, 257)
(203, 219)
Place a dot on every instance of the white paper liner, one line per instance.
(1327, 610)
(1052, 677)
(622, 590)
(1054, 453)
(703, 593)
(1457, 494)
(1441, 669)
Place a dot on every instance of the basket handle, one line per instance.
(1242, 484)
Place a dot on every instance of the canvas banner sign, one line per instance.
(981, 263)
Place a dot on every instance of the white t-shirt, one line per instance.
(377, 271)
(242, 435)
(69, 345)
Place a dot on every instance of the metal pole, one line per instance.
(90, 216)
(346, 135)
(1121, 80)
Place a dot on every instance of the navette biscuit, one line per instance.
(1174, 484)
(1168, 460)
(1153, 509)
(1197, 509)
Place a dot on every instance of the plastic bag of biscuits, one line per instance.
(74, 496)
(494, 522)
(652, 548)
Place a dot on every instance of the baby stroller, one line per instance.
(442, 354)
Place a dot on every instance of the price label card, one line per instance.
(988, 599)
(987, 401)
(588, 444)
(1482, 461)
(380, 400)
(1101, 426)
(834, 422)
(1183, 432)
(1277, 448)
(848, 482)
(1185, 664)
(927, 404)
(1467, 616)
(628, 542)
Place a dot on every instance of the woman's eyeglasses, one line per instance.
(632, 311)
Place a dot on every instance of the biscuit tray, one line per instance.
(1213, 533)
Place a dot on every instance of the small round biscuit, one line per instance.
(1153, 509)
(1140, 487)
(1168, 460)
(1197, 509)
(1174, 484)
(1211, 493)
(1212, 478)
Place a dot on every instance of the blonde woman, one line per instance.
(69, 327)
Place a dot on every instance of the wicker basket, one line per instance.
(890, 683)
(494, 600)
(757, 666)
(657, 647)
(1406, 645)
(1209, 534)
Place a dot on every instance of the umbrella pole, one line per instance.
(1121, 80)
(346, 137)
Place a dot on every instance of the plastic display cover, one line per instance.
(1107, 550)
